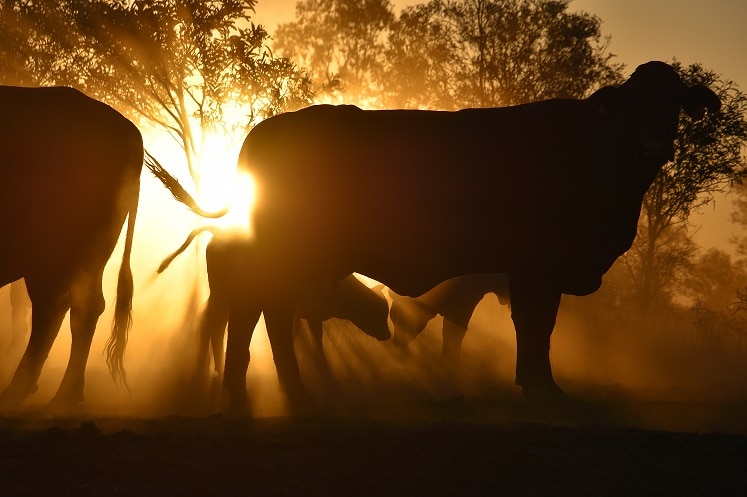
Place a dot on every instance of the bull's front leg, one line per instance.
(534, 307)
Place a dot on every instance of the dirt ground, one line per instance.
(456, 447)
(393, 427)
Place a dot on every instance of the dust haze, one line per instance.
(593, 359)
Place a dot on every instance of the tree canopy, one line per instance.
(489, 53)
(340, 42)
(193, 68)
(449, 54)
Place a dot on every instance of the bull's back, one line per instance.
(481, 190)
(68, 164)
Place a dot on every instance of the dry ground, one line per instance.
(458, 447)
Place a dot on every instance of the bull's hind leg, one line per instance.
(534, 307)
(47, 314)
(86, 305)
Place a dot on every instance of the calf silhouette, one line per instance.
(347, 299)
(455, 300)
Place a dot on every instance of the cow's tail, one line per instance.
(117, 343)
(177, 190)
(168, 260)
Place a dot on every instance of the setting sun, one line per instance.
(219, 184)
(235, 190)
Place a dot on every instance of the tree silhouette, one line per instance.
(488, 53)
(25, 29)
(715, 279)
(708, 159)
(195, 69)
(341, 42)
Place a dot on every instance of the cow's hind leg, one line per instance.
(20, 307)
(86, 305)
(279, 318)
(211, 336)
(534, 307)
(242, 319)
(47, 314)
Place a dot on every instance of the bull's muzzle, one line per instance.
(658, 151)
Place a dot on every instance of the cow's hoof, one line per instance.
(545, 395)
(302, 404)
(236, 405)
(13, 398)
(67, 404)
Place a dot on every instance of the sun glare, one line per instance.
(220, 185)
(236, 191)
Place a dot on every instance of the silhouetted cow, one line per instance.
(348, 299)
(455, 300)
(69, 176)
(548, 192)
(20, 306)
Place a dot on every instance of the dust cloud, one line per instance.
(589, 361)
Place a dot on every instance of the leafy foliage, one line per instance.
(487, 53)
(341, 42)
(196, 69)
(708, 159)
(449, 54)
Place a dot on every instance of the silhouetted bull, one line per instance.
(548, 192)
(348, 299)
(455, 300)
(69, 176)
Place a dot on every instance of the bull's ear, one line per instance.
(605, 101)
(697, 99)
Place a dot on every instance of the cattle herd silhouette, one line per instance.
(528, 202)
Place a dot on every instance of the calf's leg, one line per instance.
(457, 310)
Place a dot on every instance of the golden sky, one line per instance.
(712, 32)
